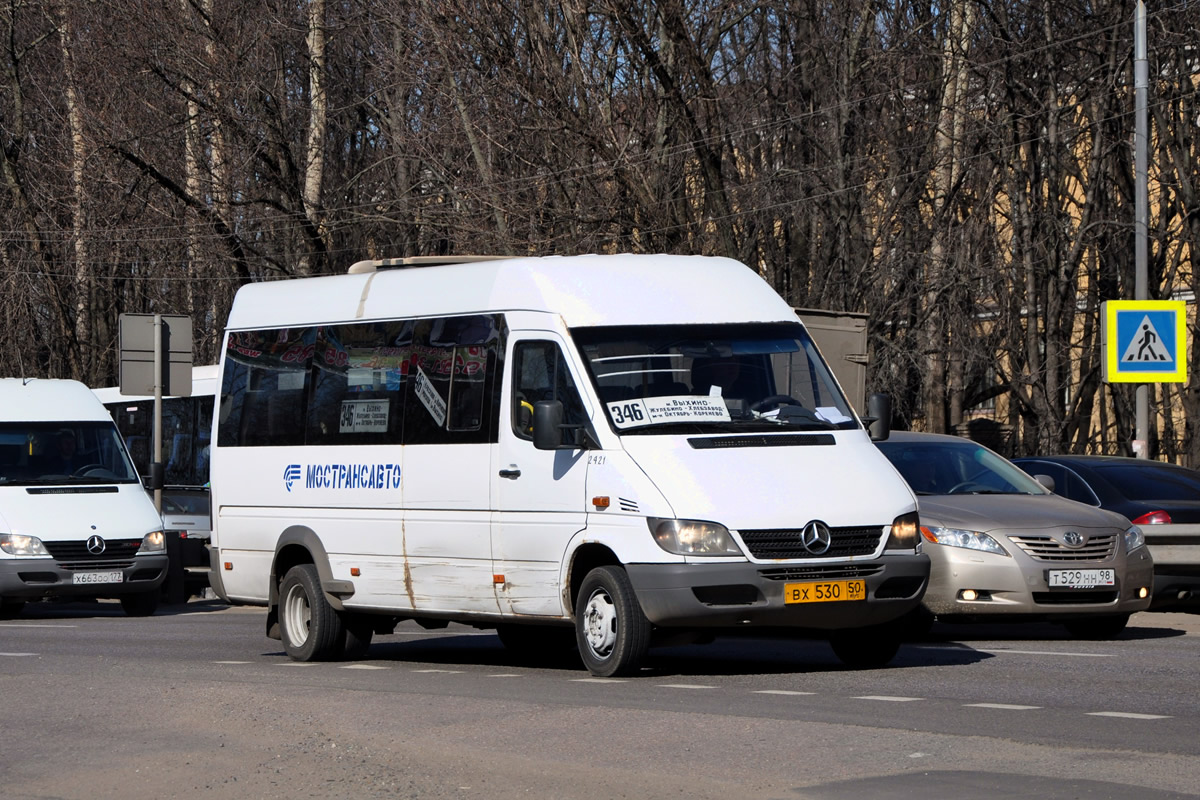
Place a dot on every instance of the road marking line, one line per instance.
(364, 666)
(295, 664)
(684, 686)
(598, 680)
(33, 625)
(887, 698)
(1046, 653)
(447, 671)
(781, 691)
(506, 675)
(1002, 706)
(18, 654)
(231, 662)
(1126, 715)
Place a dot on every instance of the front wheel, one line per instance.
(142, 604)
(611, 630)
(310, 628)
(1108, 626)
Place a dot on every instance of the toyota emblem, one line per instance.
(816, 537)
(1072, 539)
(95, 545)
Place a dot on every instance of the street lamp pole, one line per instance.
(1141, 83)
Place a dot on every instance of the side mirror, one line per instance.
(154, 481)
(1046, 481)
(879, 411)
(547, 419)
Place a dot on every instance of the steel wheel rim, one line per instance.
(600, 624)
(297, 614)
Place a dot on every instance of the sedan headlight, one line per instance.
(971, 540)
(688, 537)
(1134, 538)
(17, 545)
(153, 542)
(903, 535)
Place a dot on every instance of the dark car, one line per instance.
(1162, 499)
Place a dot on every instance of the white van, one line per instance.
(74, 518)
(643, 446)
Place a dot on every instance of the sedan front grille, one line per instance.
(786, 542)
(1044, 548)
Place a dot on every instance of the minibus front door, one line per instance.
(539, 494)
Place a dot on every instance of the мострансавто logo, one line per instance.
(343, 476)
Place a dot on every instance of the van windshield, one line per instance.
(712, 378)
(40, 453)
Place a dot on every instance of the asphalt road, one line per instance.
(196, 702)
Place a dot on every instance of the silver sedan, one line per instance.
(1004, 548)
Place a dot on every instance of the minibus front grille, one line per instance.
(831, 572)
(76, 552)
(789, 542)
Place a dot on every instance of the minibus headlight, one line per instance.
(17, 545)
(687, 537)
(904, 533)
(1134, 538)
(153, 542)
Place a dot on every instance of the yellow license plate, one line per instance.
(824, 592)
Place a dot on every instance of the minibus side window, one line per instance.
(358, 383)
(263, 392)
(540, 373)
(449, 397)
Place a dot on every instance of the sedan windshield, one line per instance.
(949, 467)
(40, 453)
(712, 378)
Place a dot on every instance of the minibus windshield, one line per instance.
(41, 453)
(712, 378)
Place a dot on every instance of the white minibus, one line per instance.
(75, 521)
(643, 447)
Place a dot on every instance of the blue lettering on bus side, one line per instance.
(344, 476)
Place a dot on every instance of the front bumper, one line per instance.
(1017, 586)
(743, 594)
(32, 578)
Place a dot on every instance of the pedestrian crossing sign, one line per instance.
(1144, 341)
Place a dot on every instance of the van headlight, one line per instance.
(1134, 538)
(903, 535)
(687, 537)
(153, 542)
(970, 540)
(17, 545)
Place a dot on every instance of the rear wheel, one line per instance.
(1108, 626)
(10, 607)
(142, 604)
(612, 632)
(866, 648)
(310, 628)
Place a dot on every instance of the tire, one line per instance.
(866, 648)
(310, 628)
(11, 607)
(359, 632)
(142, 604)
(611, 631)
(1105, 627)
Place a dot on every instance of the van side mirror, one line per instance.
(154, 481)
(547, 419)
(879, 416)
